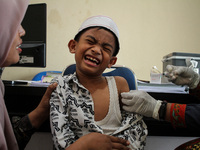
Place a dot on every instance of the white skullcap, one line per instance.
(100, 21)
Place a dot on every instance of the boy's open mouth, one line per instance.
(92, 59)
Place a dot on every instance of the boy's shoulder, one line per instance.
(120, 79)
(122, 84)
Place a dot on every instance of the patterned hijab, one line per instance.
(11, 15)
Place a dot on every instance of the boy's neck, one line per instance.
(90, 81)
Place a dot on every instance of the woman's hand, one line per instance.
(41, 113)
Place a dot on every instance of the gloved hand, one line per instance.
(182, 76)
(141, 102)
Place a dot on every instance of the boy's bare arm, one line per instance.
(122, 86)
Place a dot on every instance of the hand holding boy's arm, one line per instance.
(141, 102)
(41, 113)
(182, 76)
(98, 141)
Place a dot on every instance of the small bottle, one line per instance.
(155, 75)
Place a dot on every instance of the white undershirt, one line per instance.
(112, 121)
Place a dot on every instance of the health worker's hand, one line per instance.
(182, 76)
(141, 102)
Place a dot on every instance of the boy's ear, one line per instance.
(72, 46)
(112, 61)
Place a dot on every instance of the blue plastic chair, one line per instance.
(38, 77)
(115, 70)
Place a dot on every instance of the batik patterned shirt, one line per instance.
(72, 116)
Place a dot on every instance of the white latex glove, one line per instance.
(141, 102)
(182, 76)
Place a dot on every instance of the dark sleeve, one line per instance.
(185, 116)
(195, 92)
(192, 116)
(192, 113)
(23, 130)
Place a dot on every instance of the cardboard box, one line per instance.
(179, 59)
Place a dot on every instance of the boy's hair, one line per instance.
(78, 36)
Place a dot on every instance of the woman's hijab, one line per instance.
(11, 15)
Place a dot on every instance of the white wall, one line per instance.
(149, 29)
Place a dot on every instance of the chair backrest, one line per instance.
(38, 77)
(115, 70)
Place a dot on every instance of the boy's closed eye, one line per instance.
(91, 42)
(107, 47)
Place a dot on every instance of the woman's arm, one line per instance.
(39, 115)
(26, 126)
